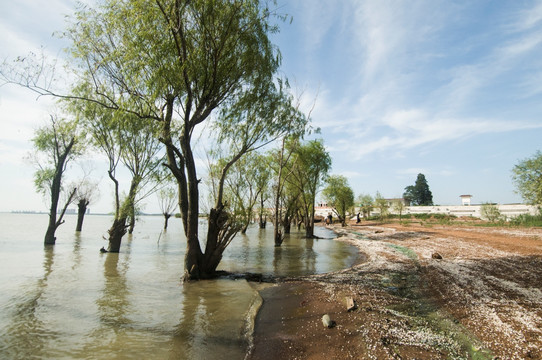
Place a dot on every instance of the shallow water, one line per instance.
(70, 301)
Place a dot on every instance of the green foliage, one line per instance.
(308, 168)
(247, 180)
(527, 175)
(419, 193)
(490, 212)
(43, 179)
(399, 207)
(55, 144)
(382, 205)
(366, 204)
(339, 195)
(527, 220)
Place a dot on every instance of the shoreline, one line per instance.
(410, 305)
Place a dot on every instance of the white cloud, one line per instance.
(408, 129)
(526, 19)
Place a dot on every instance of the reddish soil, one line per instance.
(481, 300)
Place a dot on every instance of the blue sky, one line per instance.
(452, 90)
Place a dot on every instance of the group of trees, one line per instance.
(281, 183)
(147, 78)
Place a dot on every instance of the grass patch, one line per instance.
(405, 251)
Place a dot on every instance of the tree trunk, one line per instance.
(279, 238)
(309, 226)
(244, 229)
(166, 219)
(132, 216)
(54, 223)
(116, 232)
(213, 255)
(190, 206)
(50, 238)
(262, 222)
(131, 225)
(287, 224)
(81, 210)
(309, 232)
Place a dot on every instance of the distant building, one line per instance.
(465, 199)
(322, 209)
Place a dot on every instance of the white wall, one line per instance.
(510, 211)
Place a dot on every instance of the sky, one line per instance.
(452, 90)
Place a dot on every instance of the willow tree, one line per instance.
(245, 185)
(309, 168)
(128, 142)
(280, 164)
(167, 200)
(56, 144)
(339, 195)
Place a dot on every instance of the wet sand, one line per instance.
(482, 300)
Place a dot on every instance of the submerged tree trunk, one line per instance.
(81, 210)
(244, 229)
(286, 224)
(213, 255)
(309, 224)
(54, 223)
(262, 221)
(166, 219)
(50, 238)
(116, 232)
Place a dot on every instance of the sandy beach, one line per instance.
(421, 292)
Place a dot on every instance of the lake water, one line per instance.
(69, 301)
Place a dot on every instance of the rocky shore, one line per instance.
(422, 292)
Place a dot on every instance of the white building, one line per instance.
(465, 199)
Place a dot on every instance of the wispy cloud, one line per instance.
(404, 132)
(527, 18)
(412, 91)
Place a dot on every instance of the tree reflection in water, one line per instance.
(27, 335)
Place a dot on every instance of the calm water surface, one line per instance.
(70, 301)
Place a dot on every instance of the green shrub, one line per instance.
(526, 220)
(490, 212)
